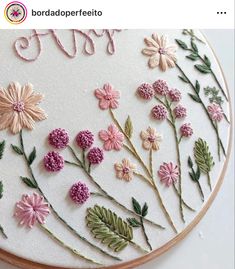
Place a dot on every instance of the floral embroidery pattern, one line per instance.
(151, 139)
(216, 112)
(79, 193)
(58, 138)
(125, 170)
(53, 161)
(168, 173)
(1, 195)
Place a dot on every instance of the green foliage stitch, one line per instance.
(128, 127)
(2, 148)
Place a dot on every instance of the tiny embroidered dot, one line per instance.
(79, 193)
(145, 91)
(85, 139)
(95, 156)
(159, 112)
(59, 138)
(180, 112)
(162, 51)
(53, 162)
(18, 106)
(186, 130)
(174, 95)
(161, 87)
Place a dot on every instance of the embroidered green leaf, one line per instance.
(195, 98)
(181, 43)
(110, 229)
(193, 176)
(136, 206)
(190, 162)
(192, 56)
(207, 61)
(144, 210)
(198, 173)
(2, 148)
(134, 222)
(202, 68)
(29, 182)
(184, 79)
(203, 156)
(17, 149)
(128, 127)
(197, 86)
(32, 156)
(214, 95)
(1, 189)
(194, 46)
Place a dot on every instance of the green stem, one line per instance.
(209, 180)
(3, 232)
(184, 203)
(204, 108)
(54, 210)
(145, 234)
(217, 132)
(63, 244)
(200, 190)
(138, 246)
(151, 162)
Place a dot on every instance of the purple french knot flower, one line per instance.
(58, 138)
(180, 112)
(161, 87)
(145, 91)
(79, 193)
(85, 139)
(174, 95)
(159, 112)
(53, 161)
(95, 156)
(186, 130)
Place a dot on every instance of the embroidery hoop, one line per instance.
(26, 264)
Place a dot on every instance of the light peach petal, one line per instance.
(170, 62)
(5, 108)
(15, 126)
(126, 163)
(26, 120)
(163, 63)
(155, 146)
(6, 120)
(26, 92)
(5, 97)
(147, 144)
(154, 60)
(150, 51)
(144, 135)
(119, 174)
(34, 99)
(36, 113)
(150, 42)
(14, 90)
(118, 166)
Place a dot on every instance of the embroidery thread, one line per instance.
(2, 148)
(1, 195)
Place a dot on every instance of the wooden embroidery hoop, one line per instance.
(26, 264)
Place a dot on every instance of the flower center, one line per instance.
(125, 170)
(108, 97)
(151, 139)
(162, 51)
(18, 106)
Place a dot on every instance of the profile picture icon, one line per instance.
(15, 12)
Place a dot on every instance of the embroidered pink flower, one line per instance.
(31, 209)
(145, 91)
(159, 112)
(19, 107)
(79, 193)
(161, 87)
(108, 97)
(215, 112)
(95, 156)
(160, 52)
(113, 138)
(180, 112)
(186, 130)
(174, 95)
(168, 173)
(53, 162)
(125, 170)
(151, 139)
(85, 139)
(58, 138)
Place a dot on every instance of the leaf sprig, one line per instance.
(213, 95)
(2, 148)
(1, 189)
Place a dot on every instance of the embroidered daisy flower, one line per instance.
(113, 138)
(160, 52)
(125, 170)
(215, 112)
(151, 139)
(168, 173)
(108, 97)
(19, 107)
(31, 209)
(79, 193)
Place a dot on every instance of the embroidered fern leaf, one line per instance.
(110, 229)
(203, 156)
(2, 148)
(1, 190)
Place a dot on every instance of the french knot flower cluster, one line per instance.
(79, 193)
(58, 138)
(53, 162)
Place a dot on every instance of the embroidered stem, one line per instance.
(209, 180)
(138, 246)
(218, 146)
(183, 202)
(144, 178)
(137, 156)
(54, 210)
(3, 232)
(145, 234)
(201, 191)
(63, 244)
(111, 198)
(204, 107)
(151, 162)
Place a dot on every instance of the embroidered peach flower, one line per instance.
(18, 107)
(108, 97)
(113, 138)
(125, 170)
(160, 52)
(151, 139)
(168, 173)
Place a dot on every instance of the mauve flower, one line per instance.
(31, 209)
(168, 173)
(85, 139)
(95, 155)
(145, 91)
(79, 193)
(174, 95)
(215, 112)
(159, 112)
(125, 170)
(58, 138)
(113, 138)
(161, 87)
(151, 139)
(108, 97)
(53, 161)
(186, 130)
(180, 112)
(160, 52)
(19, 107)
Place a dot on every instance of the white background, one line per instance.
(211, 243)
